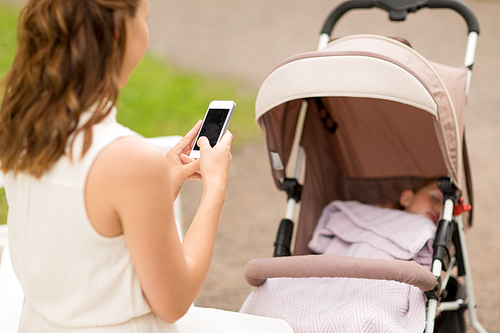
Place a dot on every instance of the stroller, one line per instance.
(366, 117)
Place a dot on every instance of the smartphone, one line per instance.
(215, 124)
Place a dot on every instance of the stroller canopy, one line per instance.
(380, 118)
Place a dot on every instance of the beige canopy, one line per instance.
(380, 118)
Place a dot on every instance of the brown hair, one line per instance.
(68, 59)
(420, 185)
(424, 183)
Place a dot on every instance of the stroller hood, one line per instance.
(379, 118)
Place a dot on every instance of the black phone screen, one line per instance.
(212, 127)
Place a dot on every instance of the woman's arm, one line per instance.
(130, 190)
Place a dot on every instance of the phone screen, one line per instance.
(212, 127)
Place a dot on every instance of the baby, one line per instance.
(425, 199)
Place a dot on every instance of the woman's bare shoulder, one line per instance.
(127, 174)
(129, 163)
(132, 156)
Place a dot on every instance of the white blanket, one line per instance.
(353, 305)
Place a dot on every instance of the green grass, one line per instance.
(162, 100)
(3, 207)
(8, 21)
(159, 98)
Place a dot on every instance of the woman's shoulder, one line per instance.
(126, 175)
(133, 153)
(131, 156)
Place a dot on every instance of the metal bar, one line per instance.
(431, 315)
(469, 289)
(290, 210)
(323, 41)
(448, 273)
(448, 210)
(437, 267)
(470, 53)
(450, 306)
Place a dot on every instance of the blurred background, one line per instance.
(223, 49)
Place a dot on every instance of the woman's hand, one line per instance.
(180, 165)
(214, 162)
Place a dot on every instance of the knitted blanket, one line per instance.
(353, 305)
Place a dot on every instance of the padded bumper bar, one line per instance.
(409, 272)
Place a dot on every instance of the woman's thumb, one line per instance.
(203, 142)
(191, 169)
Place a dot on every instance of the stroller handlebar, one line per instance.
(398, 9)
(460, 8)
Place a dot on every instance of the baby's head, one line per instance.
(426, 199)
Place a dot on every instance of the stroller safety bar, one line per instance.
(409, 272)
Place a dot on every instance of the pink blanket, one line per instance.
(353, 305)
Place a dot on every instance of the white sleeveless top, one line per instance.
(76, 280)
(70, 274)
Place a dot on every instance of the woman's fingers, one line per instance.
(214, 162)
(195, 173)
(226, 141)
(187, 141)
(185, 159)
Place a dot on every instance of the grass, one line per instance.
(162, 100)
(8, 19)
(3, 207)
(159, 98)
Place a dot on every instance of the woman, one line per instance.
(91, 226)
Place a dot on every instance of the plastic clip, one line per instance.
(461, 207)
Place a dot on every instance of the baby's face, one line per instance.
(428, 202)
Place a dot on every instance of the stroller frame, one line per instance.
(451, 227)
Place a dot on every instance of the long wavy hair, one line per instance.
(69, 57)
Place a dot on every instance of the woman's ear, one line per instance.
(406, 197)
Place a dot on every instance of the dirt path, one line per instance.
(246, 39)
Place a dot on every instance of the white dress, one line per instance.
(73, 278)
